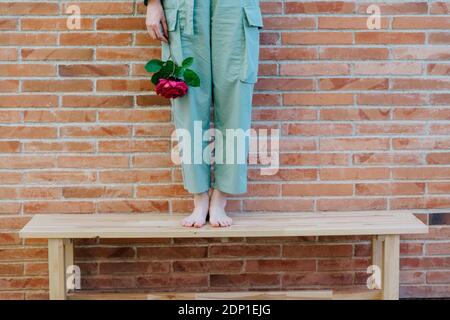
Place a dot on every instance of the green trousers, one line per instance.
(223, 38)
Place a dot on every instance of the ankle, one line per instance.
(218, 198)
(201, 199)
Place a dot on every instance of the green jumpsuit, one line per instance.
(223, 38)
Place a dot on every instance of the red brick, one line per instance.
(245, 280)
(86, 70)
(389, 188)
(27, 39)
(135, 206)
(53, 24)
(56, 147)
(313, 159)
(314, 69)
(28, 101)
(8, 54)
(102, 8)
(23, 254)
(96, 192)
(215, 266)
(127, 54)
(172, 281)
(353, 173)
(28, 8)
(172, 253)
(325, 279)
(284, 265)
(317, 38)
(421, 23)
(59, 177)
(24, 283)
(96, 131)
(438, 277)
(92, 161)
(339, 7)
(97, 101)
(390, 37)
(10, 116)
(134, 146)
(283, 205)
(23, 162)
(94, 39)
(161, 191)
(386, 158)
(59, 207)
(134, 176)
(321, 189)
(8, 24)
(57, 54)
(134, 267)
(245, 250)
(56, 85)
(438, 248)
(84, 253)
(9, 146)
(11, 269)
(133, 24)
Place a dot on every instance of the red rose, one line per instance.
(171, 88)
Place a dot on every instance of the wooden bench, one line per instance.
(385, 227)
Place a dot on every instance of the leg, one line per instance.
(68, 258)
(198, 217)
(217, 215)
(235, 53)
(391, 268)
(191, 112)
(56, 269)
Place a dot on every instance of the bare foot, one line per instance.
(217, 215)
(198, 217)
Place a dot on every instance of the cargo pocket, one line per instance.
(252, 24)
(173, 48)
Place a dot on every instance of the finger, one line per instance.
(165, 28)
(160, 36)
(151, 32)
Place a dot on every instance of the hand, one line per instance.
(156, 18)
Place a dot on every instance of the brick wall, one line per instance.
(363, 116)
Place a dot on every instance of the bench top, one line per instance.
(254, 224)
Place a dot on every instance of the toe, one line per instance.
(214, 223)
(198, 224)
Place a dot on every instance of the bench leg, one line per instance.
(68, 259)
(391, 267)
(56, 269)
(377, 258)
(377, 251)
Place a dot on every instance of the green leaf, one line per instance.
(191, 78)
(154, 65)
(187, 62)
(168, 69)
(156, 77)
(178, 71)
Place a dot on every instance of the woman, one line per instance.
(223, 38)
